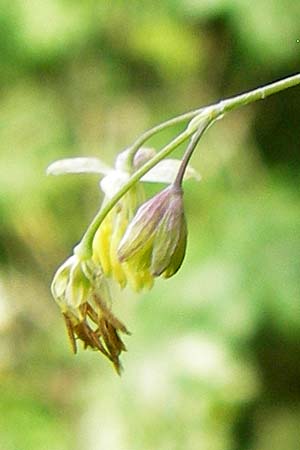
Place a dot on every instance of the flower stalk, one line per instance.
(188, 153)
(208, 114)
(162, 126)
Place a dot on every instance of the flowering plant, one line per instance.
(131, 241)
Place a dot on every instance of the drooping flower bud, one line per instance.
(155, 239)
(80, 290)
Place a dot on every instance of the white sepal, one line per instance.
(113, 182)
(78, 165)
(166, 170)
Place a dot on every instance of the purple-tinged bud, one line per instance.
(156, 236)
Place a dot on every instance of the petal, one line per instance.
(166, 170)
(141, 230)
(78, 165)
(113, 182)
(121, 161)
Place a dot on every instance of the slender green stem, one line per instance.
(188, 153)
(205, 115)
(260, 93)
(162, 126)
(228, 105)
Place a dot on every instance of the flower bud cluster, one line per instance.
(135, 242)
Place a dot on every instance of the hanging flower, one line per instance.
(155, 239)
(81, 291)
(80, 285)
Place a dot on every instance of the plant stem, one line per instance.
(201, 119)
(188, 153)
(162, 126)
(260, 93)
(228, 105)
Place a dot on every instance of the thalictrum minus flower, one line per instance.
(155, 239)
(81, 291)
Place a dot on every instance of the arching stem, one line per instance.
(200, 120)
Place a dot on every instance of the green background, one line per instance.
(214, 356)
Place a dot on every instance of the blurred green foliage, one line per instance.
(213, 362)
